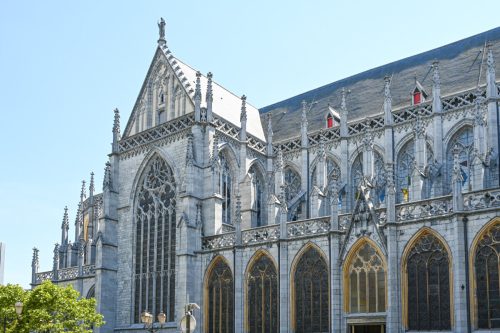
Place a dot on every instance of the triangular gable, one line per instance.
(364, 223)
(225, 104)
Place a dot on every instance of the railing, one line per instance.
(221, 241)
(424, 208)
(69, 273)
(263, 234)
(308, 227)
(481, 199)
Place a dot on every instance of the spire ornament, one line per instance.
(83, 193)
(436, 79)
(209, 98)
(243, 118)
(92, 185)
(161, 32)
(387, 101)
(189, 151)
(269, 135)
(35, 261)
(116, 131)
(65, 222)
(107, 182)
(197, 98)
(490, 61)
(303, 125)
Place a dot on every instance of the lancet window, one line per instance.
(220, 302)
(428, 285)
(311, 293)
(155, 241)
(487, 270)
(292, 189)
(257, 197)
(463, 144)
(366, 281)
(262, 299)
(225, 188)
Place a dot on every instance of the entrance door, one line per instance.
(367, 329)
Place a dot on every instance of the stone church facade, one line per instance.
(367, 205)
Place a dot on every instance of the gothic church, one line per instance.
(371, 204)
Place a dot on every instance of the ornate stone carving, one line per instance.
(308, 227)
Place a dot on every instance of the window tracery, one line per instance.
(220, 303)
(378, 179)
(463, 143)
(487, 270)
(262, 300)
(293, 186)
(155, 241)
(428, 285)
(366, 281)
(311, 297)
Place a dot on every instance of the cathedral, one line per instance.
(371, 204)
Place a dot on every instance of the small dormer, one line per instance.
(418, 94)
(332, 117)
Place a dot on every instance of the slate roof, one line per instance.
(459, 66)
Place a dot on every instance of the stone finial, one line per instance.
(387, 87)
(107, 183)
(116, 131)
(197, 98)
(209, 97)
(490, 61)
(343, 113)
(56, 257)
(65, 222)
(215, 150)
(35, 260)
(189, 151)
(343, 103)
(387, 101)
(243, 118)
(243, 114)
(161, 31)
(279, 160)
(478, 113)
(83, 193)
(491, 87)
(436, 79)
(303, 125)
(92, 185)
(238, 208)
(269, 134)
(389, 175)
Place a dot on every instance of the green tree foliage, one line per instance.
(48, 308)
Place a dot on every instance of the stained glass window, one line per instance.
(155, 241)
(220, 302)
(463, 142)
(487, 269)
(292, 189)
(311, 293)
(366, 276)
(428, 285)
(262, 300)
(406, 160)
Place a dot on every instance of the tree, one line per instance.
(49, 308)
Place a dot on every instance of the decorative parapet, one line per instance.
(462, 99)
(412, 112)
(425, 208)
(481, 199)
(308, 227)
(221, 241)
(69, 273)
(258, 235)
(156, 133)
(381, 215)
(233, 131)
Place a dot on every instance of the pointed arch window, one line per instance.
(428, 285)
(487, 270)
(225, 188)
(463, 143)
(311, 296)
(406, 161)
(293, 188)
(220, 302)
(262, 296)
(155, 241)
(257, 197)
(331, 166)
(366, 281)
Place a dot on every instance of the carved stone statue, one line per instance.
(161, 28)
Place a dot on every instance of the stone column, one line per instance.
(304, 175)
(478, 168)
(284, 277)
(459, 272)
(344, 155)
(393, 306)
(492, 118)
(239, 271)
(437, 122)
(35, 265)
(417, 174)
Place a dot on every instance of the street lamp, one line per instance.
(19, 309)
(147, 320)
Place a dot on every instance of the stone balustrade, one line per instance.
(265, 234)
(424, 208)
(308, 227)
(481, 199)
(69, 273)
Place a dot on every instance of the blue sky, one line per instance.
(65, 65)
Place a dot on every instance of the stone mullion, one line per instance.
(147, 261)
(155, 256)
(162, 273)
(169, 263)
(141, 244)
